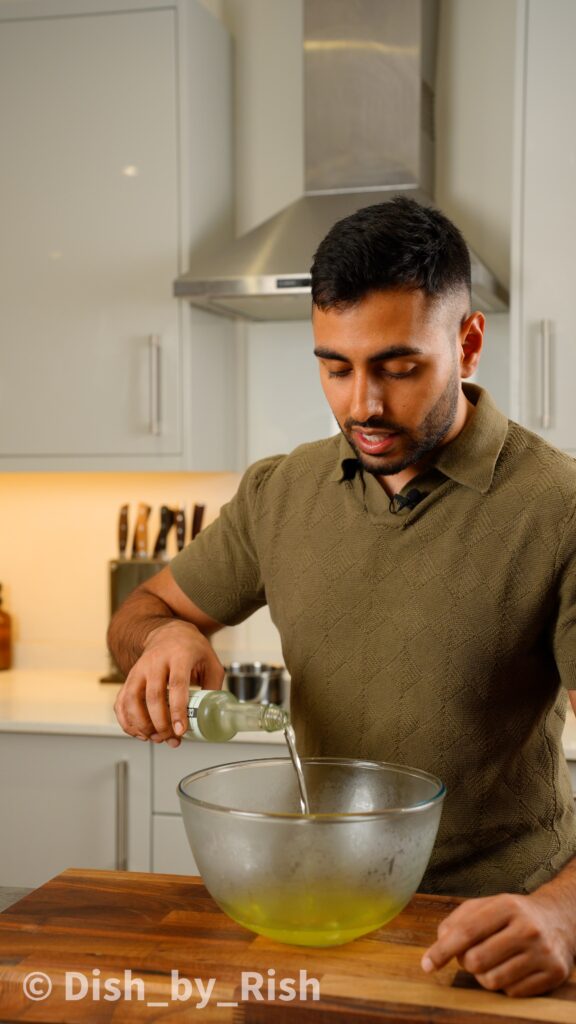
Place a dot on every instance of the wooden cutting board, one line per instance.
(95, 925)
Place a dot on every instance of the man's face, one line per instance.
(391, 367)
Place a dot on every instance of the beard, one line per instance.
(417, 444)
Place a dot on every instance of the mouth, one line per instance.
(374, 442)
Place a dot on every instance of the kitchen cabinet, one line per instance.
(544, 260)
(116, 161)
(72, 800)
(170, 850)
(99, 802)
(76, 791)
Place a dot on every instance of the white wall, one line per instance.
(58, 532)
(283, 391)
(215, 7)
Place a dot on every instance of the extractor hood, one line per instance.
(369, 71)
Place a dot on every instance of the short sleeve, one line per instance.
(220, 569)
(564, 639)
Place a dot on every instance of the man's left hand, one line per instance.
(523, 945)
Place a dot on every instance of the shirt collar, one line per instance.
(346, 463)
(470, 459)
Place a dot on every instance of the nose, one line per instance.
(367, 399)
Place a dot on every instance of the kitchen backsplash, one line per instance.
(58, 531)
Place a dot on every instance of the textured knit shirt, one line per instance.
(440, 636)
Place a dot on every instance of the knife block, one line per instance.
(124, 577)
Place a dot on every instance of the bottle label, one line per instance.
(194, 702)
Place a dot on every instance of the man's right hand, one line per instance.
(152, 703)
(159, 638)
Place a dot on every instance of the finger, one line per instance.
(534, 985)
(131, 708)
(212, 672)
(157, 704)
(492, 952)
(178, 696)
(464, 928)
(209, 674)
(138, 719)
(509, 972)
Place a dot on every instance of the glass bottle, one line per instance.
(5, 637)
(217, 715)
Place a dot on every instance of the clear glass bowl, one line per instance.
(320, 879)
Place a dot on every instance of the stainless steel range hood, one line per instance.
(369, 71)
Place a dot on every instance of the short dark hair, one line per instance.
(399, 244)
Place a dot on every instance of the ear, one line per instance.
(470, 341)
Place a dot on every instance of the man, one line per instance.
(421, 570)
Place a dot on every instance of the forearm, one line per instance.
(560, 894)
(139, 615)
(524, 945)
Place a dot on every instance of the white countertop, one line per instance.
(71, 701)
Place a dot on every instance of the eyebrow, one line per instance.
(393, 352)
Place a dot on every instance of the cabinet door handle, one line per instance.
(121, 815)
(546, 374)
(154, 355)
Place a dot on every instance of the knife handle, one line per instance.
(170, 519)
(123, 531)
(140, 546)
(166, 519)
(180, 520)
(197, 519)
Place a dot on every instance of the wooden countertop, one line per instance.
(99, 924)
(10, 894)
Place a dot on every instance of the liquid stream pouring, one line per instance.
(217, 716)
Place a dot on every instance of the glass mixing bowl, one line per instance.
(320, 879)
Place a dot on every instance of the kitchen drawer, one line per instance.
(169, 765)
(71, 800)
(171, 852)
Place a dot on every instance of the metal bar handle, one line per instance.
(121, 815)
(154, 352)
(546, 374)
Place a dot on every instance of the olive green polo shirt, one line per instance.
(436, 636)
